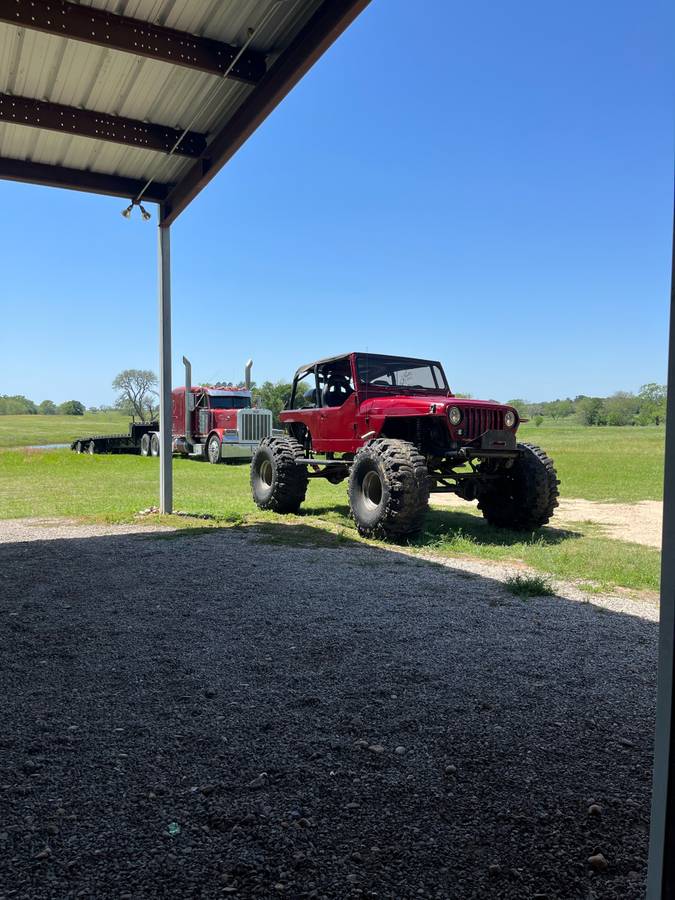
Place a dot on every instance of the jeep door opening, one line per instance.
(392, 426)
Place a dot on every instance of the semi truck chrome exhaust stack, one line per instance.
(188, 397)
(247, 374)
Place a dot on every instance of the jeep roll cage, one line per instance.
(378, 366)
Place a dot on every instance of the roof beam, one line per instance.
(96, 26)
(102, 127)
(79, 180)
(325, 26)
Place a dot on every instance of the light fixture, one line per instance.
(144, 213)
(454, 415)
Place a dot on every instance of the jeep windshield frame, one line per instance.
(399, 374)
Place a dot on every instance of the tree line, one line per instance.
(137, 396)
(18, 405)
(647, 407)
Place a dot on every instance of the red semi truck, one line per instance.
(219, 422)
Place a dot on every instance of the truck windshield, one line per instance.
(400, 373)
(229, 402)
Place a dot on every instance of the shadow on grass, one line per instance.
(447, 527)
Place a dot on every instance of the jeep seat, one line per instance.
(337, 390)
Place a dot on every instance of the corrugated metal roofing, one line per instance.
(61, 70)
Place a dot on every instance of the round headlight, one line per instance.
(455, 415)
(509, 419)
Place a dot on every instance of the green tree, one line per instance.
(560, 409)
(136, 393)
(71, 408)
(589, 410)
(272, 395)
(652, 398)
(16, 405)
(47, 408)
(620, 409)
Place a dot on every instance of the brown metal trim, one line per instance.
(79, 180)
(96, 26)
(327, 24)
(102, 127)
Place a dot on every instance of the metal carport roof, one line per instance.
(94, 95)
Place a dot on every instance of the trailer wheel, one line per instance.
(145, 445)
(389, 489)
(277, 483)
(78, 447)
(213, 450)
(91, 448)
(154, 445)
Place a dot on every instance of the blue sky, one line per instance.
(488, 184)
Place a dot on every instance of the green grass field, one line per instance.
(623, 464)
(61, 483)
(27, 431)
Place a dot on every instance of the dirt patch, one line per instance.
(639, 523)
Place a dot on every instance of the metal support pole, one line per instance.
(661, 877)
(165, 471)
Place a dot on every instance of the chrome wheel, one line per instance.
(214, 450)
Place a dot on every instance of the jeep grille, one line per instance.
(478, 420)
(254, 424)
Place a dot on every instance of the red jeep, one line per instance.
(394, 428)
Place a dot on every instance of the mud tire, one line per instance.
(277, 483)
(527, 494)
(389, 489)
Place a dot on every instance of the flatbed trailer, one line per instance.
(115, 443)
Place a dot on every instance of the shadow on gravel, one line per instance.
(235, 712)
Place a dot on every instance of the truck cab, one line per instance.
(219, 423)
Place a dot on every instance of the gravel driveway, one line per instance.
(279, 713)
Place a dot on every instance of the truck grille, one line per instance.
(478, 420)
(254, 424)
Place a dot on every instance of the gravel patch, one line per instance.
(267, 713)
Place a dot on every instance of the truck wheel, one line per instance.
(525, 496)
(91, 448)
(277, 483)
(78, 447)
(154, 445)
(145, 445)
(389, 489)
(213, 450)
